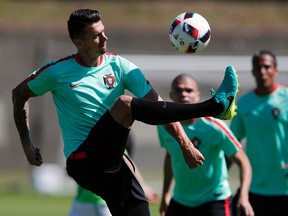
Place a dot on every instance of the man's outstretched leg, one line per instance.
(221, 105)
(226, 94)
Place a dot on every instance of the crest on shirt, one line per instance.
(109, 80)
(275, 112)
(196, 141)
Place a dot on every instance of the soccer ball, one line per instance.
(190, 33)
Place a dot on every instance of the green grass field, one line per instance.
(33, 204)
(18, 198)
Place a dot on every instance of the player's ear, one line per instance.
(78, 42)
(276, 71)
(198, 93)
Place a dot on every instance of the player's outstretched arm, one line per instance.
(20, 96)
(243, 163)
(150, 194)
(192, 156)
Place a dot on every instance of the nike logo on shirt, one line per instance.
(72, 85)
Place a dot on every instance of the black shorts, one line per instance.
(213, 208)
(98, 165)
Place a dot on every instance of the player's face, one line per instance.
(95, 40)
(265, 71)
(185, 91)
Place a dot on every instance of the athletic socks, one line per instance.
(163, 112)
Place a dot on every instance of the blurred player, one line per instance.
(204, 191)
(263, 120)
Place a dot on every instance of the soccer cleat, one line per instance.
(226, 94)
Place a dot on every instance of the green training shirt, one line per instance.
(208, 182)
(86, 196)
(83, 94)
(263, 121)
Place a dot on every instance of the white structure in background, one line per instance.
(52, 179)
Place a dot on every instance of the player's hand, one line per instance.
(192, 156)
(244, 208)
(150, 194)
(33, 155)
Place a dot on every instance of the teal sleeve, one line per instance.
(135, 81)
(227, 141)
(137, 84)
(43, 80)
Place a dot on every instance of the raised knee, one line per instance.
(124, 101)
(121, 111)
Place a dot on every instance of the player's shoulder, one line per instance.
(217, 126)
(111, 56)
(60, 63)
(282, 89)
(160, 128)
(212, 122)
(53, 68)
(210, 119)
(245, 97)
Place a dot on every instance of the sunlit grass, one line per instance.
(33, 204)
(17, 197)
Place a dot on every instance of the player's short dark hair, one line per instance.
(256, 56)
(79, 20)
(180, 77)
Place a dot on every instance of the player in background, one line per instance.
(87, 203)
(262, 120)
(204, 191)
(95, 116)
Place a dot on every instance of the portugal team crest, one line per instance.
(196, 142)
(275, 112)
(109, 80)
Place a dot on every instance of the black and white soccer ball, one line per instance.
(190, 33)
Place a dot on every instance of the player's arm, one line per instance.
(150, 194)
(192, 156)
(243, 163)
(20, 96)
(167, 182)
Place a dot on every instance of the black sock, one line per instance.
(162, 112)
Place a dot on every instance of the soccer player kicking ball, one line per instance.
(95, 117)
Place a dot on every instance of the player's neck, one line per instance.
(89, 61)
(263, 91)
